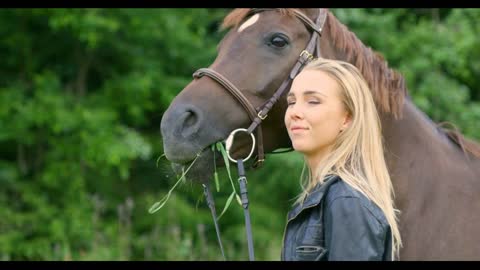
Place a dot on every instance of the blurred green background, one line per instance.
(82, 92)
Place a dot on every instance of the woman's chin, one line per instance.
(299, 147)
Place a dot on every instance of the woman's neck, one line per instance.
(314, 159)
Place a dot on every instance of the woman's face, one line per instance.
(315, 114)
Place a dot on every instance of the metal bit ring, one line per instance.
(229, 143)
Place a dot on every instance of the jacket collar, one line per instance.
(314, 197)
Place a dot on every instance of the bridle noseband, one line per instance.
(257, 116)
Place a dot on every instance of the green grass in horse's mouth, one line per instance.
(214, 147)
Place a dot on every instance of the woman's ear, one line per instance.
(346, 122)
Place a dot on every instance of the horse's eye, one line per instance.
(279, 41)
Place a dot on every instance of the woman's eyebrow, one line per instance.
(313, 92)
(307, 93)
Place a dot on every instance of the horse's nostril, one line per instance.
(191, 119)
(190, 122)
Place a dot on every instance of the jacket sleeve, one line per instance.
(352, 233)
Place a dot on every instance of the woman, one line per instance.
(345, 211)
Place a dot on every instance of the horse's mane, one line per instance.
(387, 85)
(457, 137)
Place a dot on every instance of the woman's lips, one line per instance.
(297, 129)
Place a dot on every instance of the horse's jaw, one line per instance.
(199, 169)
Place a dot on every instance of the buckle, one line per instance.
(259, 114)
(258, 163)
(307, 55)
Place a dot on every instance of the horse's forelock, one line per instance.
(238, 15)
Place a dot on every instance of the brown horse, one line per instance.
(435, 173)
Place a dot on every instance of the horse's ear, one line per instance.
(234, 18)
(312, 13)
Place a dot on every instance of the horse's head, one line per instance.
(256, 56)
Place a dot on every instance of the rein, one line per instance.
(312, 48)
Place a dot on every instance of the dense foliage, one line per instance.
(82, 92)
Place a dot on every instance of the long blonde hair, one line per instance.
(357, 155)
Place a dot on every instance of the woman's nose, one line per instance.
(295, 111)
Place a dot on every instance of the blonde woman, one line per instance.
(346, 210)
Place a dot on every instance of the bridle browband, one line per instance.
(257, 116)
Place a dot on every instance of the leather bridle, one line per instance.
(311, 51)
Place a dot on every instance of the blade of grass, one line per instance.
(215, 174)
(158, 159)
(230, 198)
(238, 199)
(222, 150)
(184, 176)
(158, 205)
(217, 182)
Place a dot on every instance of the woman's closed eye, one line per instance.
(310, 102)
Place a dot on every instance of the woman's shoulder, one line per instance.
(342, 193)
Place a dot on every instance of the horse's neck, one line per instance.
(436, 186)
(415, 149)
(418, 153)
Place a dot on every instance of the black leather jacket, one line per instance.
(336, 222)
